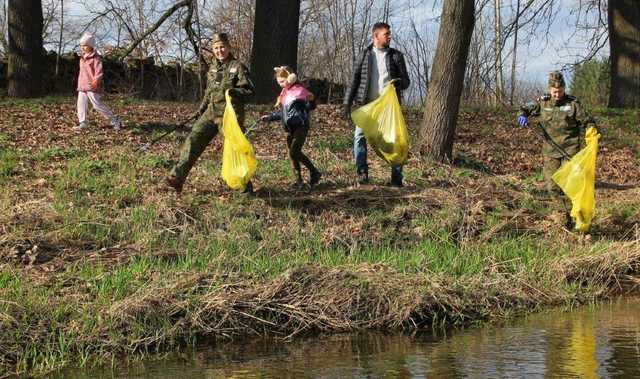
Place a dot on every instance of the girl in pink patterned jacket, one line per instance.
(90, 83)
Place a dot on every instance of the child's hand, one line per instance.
(94, 85)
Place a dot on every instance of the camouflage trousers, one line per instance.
(560, 201)
(550, 166)
(202, 132)
(552, 163)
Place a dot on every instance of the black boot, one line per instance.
(175, 183)
(314, 178)
(363, 177)
(248, 189)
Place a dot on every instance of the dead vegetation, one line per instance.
(96, 252)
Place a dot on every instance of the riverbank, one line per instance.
(98, 259)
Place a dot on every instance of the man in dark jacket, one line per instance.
(375, 68)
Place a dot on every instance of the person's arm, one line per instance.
(404, 81)
(311, 101)
(351, 91)
(531, 109)
(244, 87)
(97, 73)
(204, 104)
(528, 110)
(273, 116)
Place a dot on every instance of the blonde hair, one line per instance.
(287, 73)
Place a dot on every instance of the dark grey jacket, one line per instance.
(293, 116)
(359, 87)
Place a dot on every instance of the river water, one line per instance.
(600, 341)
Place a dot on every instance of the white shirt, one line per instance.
(379, 73)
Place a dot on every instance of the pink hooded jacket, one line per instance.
(90, 72)
(292, 93)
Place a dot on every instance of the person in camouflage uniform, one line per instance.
(564, 119)
(225, 73)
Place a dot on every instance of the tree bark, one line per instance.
(498, 52)
(435, 138)
(26, 52)
(60, 38)
(624, 42)
(275, 43)
(515, 54)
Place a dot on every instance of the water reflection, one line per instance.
(600, 342)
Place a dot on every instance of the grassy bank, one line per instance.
(98, 258)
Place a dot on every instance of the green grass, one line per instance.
(8, 158)
(336, 145)
(119, 239)
(8, 162)
(57, 153)
(37, 104)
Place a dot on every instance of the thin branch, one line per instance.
(155, 26)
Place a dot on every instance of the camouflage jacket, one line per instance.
(230, 75)
(564, 121)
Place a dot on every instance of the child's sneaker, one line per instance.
(116, 124)
(81, 126)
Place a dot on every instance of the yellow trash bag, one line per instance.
(238, 158)
(576, 178)
(383, 125)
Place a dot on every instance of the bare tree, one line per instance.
(624, 39)
(4, 44)
(60, 37)
(514, 60)
(435, 139)
(276, 22)
(25, 69)
(145, 33)
(498, 51)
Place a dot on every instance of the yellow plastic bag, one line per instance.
(238, 158)
(576, 178)
(383, 125)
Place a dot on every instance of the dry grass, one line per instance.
(98, 259)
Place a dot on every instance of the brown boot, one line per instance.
(176, 183)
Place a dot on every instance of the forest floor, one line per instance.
(98, 258)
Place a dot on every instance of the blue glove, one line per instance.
(523, 120)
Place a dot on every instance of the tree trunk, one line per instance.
(275, 43)
(498, 52)
(515, 54)
(26, 53)
(624, 42)
(435, 139)
(60, 38)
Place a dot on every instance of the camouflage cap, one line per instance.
(556, 79)
(220, 37)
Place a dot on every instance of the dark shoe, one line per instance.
(569, 223)
(248, 189)
(176, 183)
(396, 183)
(314, 178)
(297, 185)
(363, 178)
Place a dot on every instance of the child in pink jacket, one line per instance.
(296, 103)
(89, 84)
